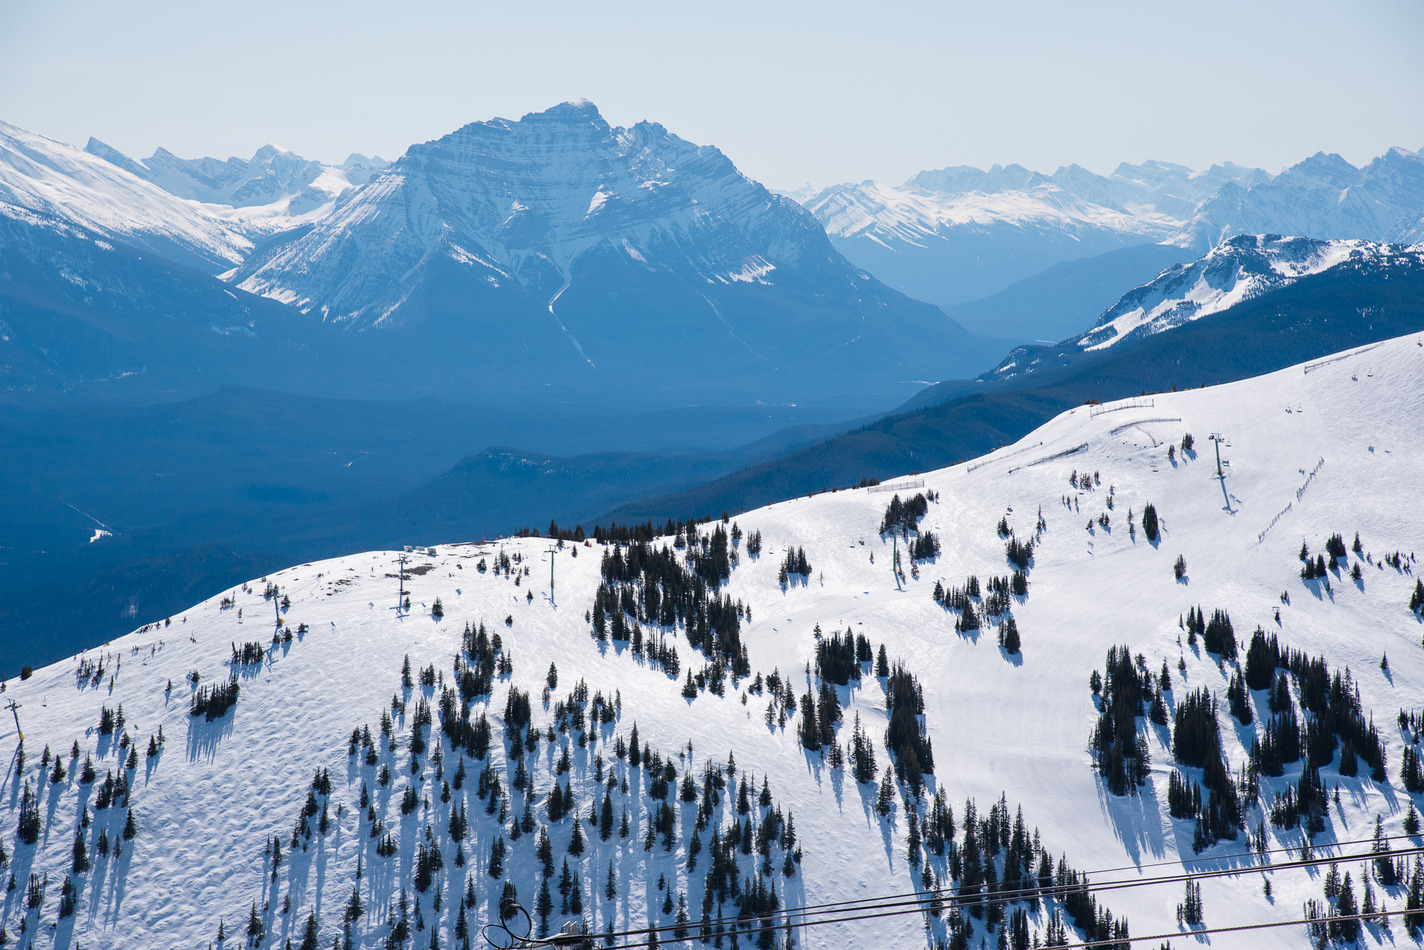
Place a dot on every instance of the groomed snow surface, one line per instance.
(207, 806)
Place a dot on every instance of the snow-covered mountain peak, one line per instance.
(274, 190)
(55, 179)
(1236, 270)
(1324, 197)
(525, 199)
(959, 233)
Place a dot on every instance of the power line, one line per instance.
(916, 902)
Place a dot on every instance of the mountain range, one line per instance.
(959, 234)
(274, 190)
(556, 318)
(280, 443)
(554, 256)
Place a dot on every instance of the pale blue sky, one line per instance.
(791, 91)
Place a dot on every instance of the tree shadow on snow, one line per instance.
(838, 788)
(120, 877)
(1136, 820)
(204, 736)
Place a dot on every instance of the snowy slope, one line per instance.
(1237, 270)
(1330, 447)
(274, 190)
(51, 178)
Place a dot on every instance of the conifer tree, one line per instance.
(81, 855)
(605, 817)
(544, 906)
(1345, 909)
(309, 933)
(887, 795)
(496, 860)
(354, 909)
(255, 930)
(1149, 521)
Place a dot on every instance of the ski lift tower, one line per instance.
(1218, 438)
(401, 595)
(552, 551)
(15, 709)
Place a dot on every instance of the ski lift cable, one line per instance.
(1107, 943)
(915, 902)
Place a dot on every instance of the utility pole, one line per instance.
(15, 709)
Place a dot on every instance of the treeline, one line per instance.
(1196, 742)
(843, 659)
(1122, 692)
(248, 653)
(902, 517)
(1217, 634)
(651, 585)
(794, 563)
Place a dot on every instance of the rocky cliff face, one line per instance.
(522, 202)
(592, 250)
(1322, 197)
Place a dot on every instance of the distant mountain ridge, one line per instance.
(958, 234)
(283, 183)
(1240, 270)
(58, 181)
(1323, 197)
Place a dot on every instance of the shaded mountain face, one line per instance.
(557, 250)
(1357, 292)
(1060, 301)
(82, 314)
